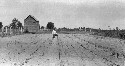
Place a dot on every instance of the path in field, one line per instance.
(68, 50)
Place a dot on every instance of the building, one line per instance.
(31, 24)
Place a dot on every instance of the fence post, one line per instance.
(10, 30)
(85, 29)
(2, 29)
(90, 30)
(21, 29)
(6, 30)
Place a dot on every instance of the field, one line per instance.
(67, 50)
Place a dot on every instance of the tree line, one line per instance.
(16, 24)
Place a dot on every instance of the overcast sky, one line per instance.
(66, 13)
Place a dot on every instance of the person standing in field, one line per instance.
(54, 34)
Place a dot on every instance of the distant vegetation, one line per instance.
(16, 25)
(50, 25)
(110, 33)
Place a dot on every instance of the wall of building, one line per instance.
(31, 25)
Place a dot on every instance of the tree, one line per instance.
(16, 24)
(42, 27)
(19, 25)
(50, 25)
(13, 24)
(117, 28)
(1, 25)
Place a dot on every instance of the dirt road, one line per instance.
(67, 50)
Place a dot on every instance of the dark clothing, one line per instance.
(55, 35)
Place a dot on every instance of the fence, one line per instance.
(10, 32)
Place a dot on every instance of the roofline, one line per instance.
(32, 17)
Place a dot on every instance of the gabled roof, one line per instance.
(30, 16)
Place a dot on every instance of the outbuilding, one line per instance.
(31, 24)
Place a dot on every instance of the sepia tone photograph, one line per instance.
(62, 32)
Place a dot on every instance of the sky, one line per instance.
(66, 13)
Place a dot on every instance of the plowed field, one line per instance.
(67, 50)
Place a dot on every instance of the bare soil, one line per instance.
(67, 50)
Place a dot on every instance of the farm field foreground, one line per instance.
(67, 50)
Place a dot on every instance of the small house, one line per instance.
(31, 24)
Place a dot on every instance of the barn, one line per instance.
(31, 24)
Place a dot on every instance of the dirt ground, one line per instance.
(67, 50)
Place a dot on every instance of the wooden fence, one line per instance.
(10, 32)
